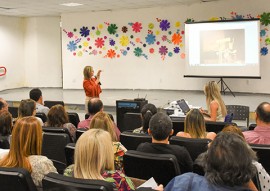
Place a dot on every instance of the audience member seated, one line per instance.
(264, 177)
(147, 112)
(215, 105)
(27, 108)
(102, 120)
(5, 129)
(94, 159)
(195, 126)
(25, 150)
(95, 105)
(36, 95)
(225, 167)
(3, 105)
(57, 117)
(160, 128)
(261, 133)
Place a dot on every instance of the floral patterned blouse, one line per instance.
(118, 178)
(41, 166)
(119, 151)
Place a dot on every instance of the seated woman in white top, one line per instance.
(195, 126)
(215, 105)
(25, 150)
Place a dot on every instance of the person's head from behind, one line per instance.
(229, 160)
(94, 105)
(57, 116)
(102, 120)
(195, 124)
(26, 140)
(234, 129)
(263, 113)
(160, 126)
(5, 123)
(26, 108)
(35, 94)
(93, 154)
(88, 72)
(147, 111)
(3, 105)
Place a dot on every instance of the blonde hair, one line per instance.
(212, 92)
(195, 124)
(86, 72)
(26, 140)
(102, 120)
(93, 154)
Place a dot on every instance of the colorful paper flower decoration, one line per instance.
(138, 51)
(111, 53)
(176, 50)
(176, 38)
(124, 29)
(163, 50)
(84, 31)
(265, 19)
(164, 25)
(124, 40)
(150, 39)
(264, 51)
(112, 28)
(72, 46)
(137, 27)
(99, 42)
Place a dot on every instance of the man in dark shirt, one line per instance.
(160, 128)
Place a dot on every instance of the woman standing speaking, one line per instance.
(91, 84)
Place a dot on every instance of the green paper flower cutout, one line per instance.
(267, 41)
(112, 28)
(138, 52)
(265, 19)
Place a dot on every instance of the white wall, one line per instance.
(133, 72)
(11, 52)
(42, 52)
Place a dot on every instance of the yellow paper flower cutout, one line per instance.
(80, 53)
(214, 19)
(85, 44)
(177, 24)
(124, 40)
(157, 32)
(151, 26)
(181, 45)
(100, 26)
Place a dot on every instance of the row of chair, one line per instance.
(19, 179)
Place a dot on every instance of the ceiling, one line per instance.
(28, 8)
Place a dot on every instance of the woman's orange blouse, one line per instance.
(91, 89)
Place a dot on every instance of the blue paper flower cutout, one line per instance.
(72, 46)
(164, 25)
(264, 51)
(150, 39)
(176, 50)
(262, 33)
(84, 31)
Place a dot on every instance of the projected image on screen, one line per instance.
(222, 47)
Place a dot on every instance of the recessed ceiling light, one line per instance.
(71, 4)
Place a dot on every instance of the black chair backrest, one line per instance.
(42, 116)
(13, 111)
(73, 118)
(216, 126)
(49, 104)
(16, 179)
(132, 140)
(163, 167)
(53, 147)
(263, 154)
(69, 152)
(4, 142)
(178, 125)
(57, 130)
(57, 182)
(79, 132)
(194, 146)
(131, 121)
(252, 126)
(240, 112)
